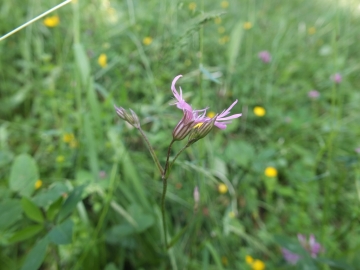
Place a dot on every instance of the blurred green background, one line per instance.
(78, 188)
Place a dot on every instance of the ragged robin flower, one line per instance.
(132, 118)
(200, 122)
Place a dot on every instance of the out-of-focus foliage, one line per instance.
(78, 189)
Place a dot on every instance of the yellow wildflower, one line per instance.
(60, 159)
(192, 6)
(102, 60)
(68, 137)
(311, 30)
(231, 214)
(258, 265)
(211, 114)
(222, 188)
(38, 184)
(247, 25)
(147, 41)
(249, 259)
(259, 111)
(224, 40)
(187, 62)
(255, 264)
(224, 4)
(221, 30)
(73, 143)
(224, 260)
(217, 20)
(52, 21)
(270, 172)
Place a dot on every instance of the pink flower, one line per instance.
(290, 257)
(199, 116)
(222, 121)
(313, 94)
(311, 246)
(265, 56)
(336, 78)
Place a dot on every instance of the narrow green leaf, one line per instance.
(91, 146)
(62, 233)
(10, 212)
(209, 75)
(177, 237)
(23, 175)
(234, 45)
(26, 233)
(36, 255)
(31, 210)
(215, 255)
(71, 202)
(82, 63)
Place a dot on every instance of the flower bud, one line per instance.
(184, 127)
(132, 118)
(201, 130)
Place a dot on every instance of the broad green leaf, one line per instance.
(31, 210)
(71, 202)
(143, 220)
(36, 255)
(48, 196)
(26, 233)
(23, 175)
(62, 233)
(116, 233)
(10, 212)
(54, 208)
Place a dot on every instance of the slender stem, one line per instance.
(152, 152)
(178, 154)
(167, 158)
(163, 209)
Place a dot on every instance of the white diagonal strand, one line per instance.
(35, 19)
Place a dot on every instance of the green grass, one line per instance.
(101, 191)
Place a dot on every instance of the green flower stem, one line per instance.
(163, 209)
(177, 155)
(167, 159)
(152, 152)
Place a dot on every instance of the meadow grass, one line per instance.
(288, 167)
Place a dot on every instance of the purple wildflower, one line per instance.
(290, 257)
(265, 56)
(336, 78)
(313, 94)
(357, 150)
